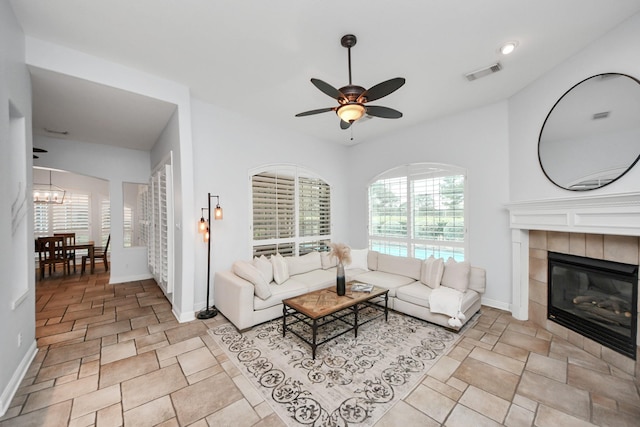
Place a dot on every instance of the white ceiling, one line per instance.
(256, 57)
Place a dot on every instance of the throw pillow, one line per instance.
(432, 270)
(456, 275)
(328, 261)
(280, 269)
(358, 259)
(248, 272)
(265, 267)
(303, 264)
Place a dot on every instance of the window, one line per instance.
(291, 211)
(105, 220)
(418, 211)
(72, 216)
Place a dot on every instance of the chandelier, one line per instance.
(48, 193)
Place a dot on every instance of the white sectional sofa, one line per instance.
(252, 292)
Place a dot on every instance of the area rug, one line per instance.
(352, 381)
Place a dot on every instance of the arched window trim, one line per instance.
(409, 244)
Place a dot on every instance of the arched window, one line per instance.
(291, 210)
(418, 210)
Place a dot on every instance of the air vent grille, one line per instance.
(474, 75)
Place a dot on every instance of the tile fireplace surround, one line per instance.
(601, 227)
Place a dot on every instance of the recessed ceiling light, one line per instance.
(508, 47)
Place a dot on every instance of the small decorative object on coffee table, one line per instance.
(343, 253)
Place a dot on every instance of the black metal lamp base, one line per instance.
(207, 313)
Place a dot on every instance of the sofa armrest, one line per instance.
(233, 296)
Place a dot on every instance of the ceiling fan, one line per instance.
(38, 150)
(353, 99)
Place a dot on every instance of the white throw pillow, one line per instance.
(303, 264)
(432, 270)
(327, 260)
(265, 267)
(248, 272)
(280, 269)
(456, 275)
(358, 259)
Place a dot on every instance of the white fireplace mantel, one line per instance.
(616, 214)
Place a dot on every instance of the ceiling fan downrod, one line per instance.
(349, 41)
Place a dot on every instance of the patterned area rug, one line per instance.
(352, 382)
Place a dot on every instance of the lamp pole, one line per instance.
(208, 313)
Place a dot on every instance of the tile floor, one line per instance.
(113, 355)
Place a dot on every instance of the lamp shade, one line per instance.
(350, 112)
(217, 213)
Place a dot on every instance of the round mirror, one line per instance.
(591, 136)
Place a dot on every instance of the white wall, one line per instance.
(225, 148)
(17, 286)
(475, 140)
(616, 52)
(116, 165)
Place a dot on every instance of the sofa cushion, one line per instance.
(432, 270)
(317, 279)
(478, 279)
(327, 260)
(248, 272)
(409, 267)
(384, 280)
(358, 259)
(265, 267)
(304, 263)
(417, 293)
(280, 269)
(456, 275)
(290, 288)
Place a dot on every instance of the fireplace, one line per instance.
(596, 298)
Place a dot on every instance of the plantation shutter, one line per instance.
(160, 244)
(105, 221)
(72, 216)
(273, 206)
(314, 207)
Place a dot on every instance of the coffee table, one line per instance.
(324, 306)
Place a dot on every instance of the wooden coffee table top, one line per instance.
(326, 301)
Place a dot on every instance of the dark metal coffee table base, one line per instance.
(345, 311)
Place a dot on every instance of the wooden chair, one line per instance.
(51, 251)
(98, 253)
(69, 242)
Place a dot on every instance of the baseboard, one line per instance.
(500, 305)
(122, 279)
(183, 317)
(12, 387)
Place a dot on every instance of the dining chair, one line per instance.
(69, 243)
(51, 251)
(98, 253)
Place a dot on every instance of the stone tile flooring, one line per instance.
(112, 355)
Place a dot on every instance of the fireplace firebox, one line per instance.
(595, 298)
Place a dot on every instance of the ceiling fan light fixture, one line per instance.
(350, 112)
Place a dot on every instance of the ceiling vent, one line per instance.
(602, 115)
(474, 75)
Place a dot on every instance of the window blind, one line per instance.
(291, 212)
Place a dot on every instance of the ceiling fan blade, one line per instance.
(382, 89)
(327, 89)
(318, 111)
(35, 157)
(39, 150)
(344, 125)
(384, 112)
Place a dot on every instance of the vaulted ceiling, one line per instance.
(256, 57)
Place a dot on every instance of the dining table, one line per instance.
(90, 247)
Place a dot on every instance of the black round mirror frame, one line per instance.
(608, 181)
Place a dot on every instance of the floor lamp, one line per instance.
(203, 227)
